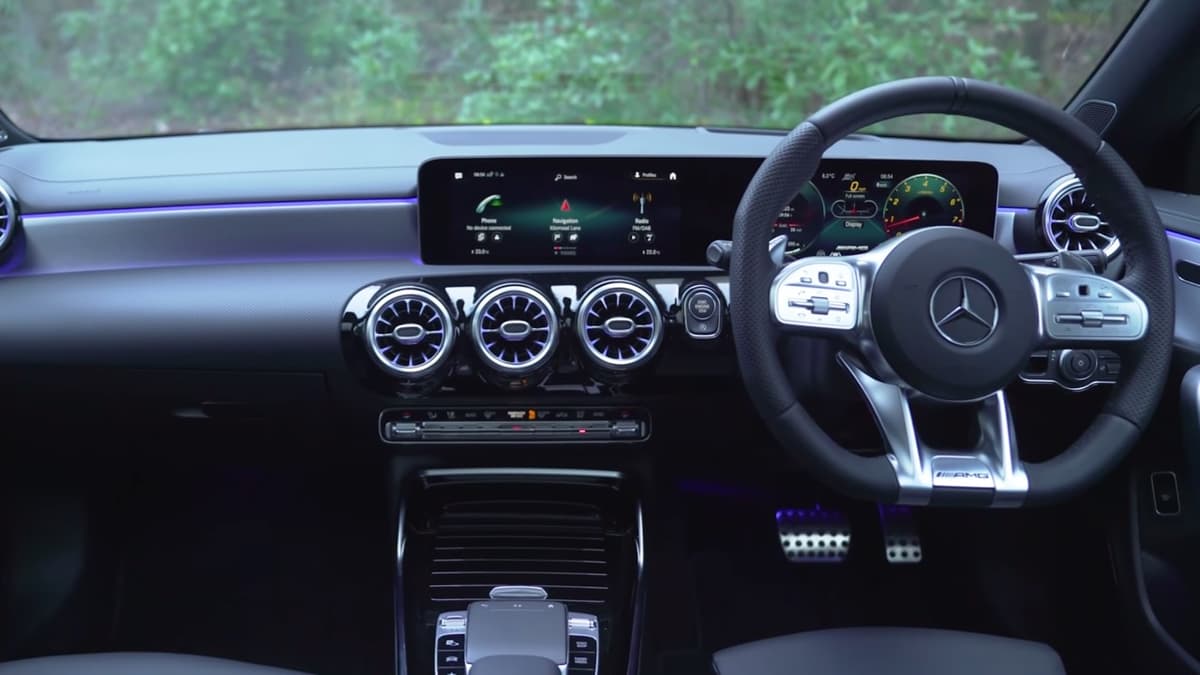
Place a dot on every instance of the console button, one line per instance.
(820, 305)
(581, 660)
(452, 621)
(582, 644)
(1092, 318)
(626, 429)
(401, 431)
(451, 660)
(457, 670)
(451, 642)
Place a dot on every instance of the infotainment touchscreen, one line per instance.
(599, 211)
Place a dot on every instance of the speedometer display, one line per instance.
(922, 200)
(850, 207)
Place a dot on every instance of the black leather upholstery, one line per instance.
(135, 663)
(889, 651)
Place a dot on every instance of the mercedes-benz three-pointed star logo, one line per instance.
(964, 311)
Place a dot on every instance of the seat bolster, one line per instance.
(135, 663)
(889, 651)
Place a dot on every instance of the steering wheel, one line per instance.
(948, 315)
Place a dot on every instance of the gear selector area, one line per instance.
(525, 627)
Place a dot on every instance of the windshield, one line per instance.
(100, 68)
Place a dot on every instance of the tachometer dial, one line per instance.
(801, 220)
(923, 200)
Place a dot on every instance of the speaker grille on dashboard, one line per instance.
(1097, 114)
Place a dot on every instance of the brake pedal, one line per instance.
(813, 535)
(901, 543)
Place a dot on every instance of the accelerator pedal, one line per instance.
(813, 535)
(901, 543)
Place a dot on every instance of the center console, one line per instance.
(519, 571)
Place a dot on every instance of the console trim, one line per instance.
(401, 649)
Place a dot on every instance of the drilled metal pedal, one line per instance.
(901, 543)
(813, 535)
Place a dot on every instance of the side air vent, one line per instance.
(560, 546)
(409, 332)
(619, 324)
(8, 216)
(1071, 221)
(515, 328)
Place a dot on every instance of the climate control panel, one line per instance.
(511, 425)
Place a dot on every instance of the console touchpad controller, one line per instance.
(517, 628)
(520, 627)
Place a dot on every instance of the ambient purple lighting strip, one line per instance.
(178, 208)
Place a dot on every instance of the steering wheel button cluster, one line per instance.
(818, 293)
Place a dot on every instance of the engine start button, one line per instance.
(701, 305)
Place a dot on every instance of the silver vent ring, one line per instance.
(400, 322)
(515, 328)
(619, 325)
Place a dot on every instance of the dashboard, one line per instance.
(665, 211)
(235, 268)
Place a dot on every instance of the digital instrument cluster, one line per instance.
(662, 211)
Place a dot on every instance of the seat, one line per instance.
(135, 663)
(889, 651)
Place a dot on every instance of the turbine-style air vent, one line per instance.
(8, 215)
(515, 328)
(619, 325)
(1072, 222)
(410, 332)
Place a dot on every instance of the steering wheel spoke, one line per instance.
(1081, 309)
(988, 474)
(816, 295)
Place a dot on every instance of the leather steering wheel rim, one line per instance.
(1108, 179)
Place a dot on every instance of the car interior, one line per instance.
(615, 399)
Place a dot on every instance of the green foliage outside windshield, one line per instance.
(132, 67)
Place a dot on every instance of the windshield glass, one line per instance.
(99, 68)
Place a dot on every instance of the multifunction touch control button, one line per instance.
(701, 312)
(820, 293)
(1083, 307)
